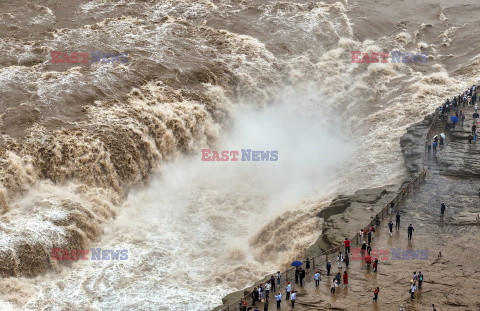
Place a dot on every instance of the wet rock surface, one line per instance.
(346, 215)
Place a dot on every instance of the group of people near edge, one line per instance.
(264, 292)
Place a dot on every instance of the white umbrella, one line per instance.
(442, 135)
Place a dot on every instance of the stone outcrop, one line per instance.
(412, 145)
(459, 158)
(347, 214)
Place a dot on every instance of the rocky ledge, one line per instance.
(346, 215)
(412, 145)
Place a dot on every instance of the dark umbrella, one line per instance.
(454, 119)
(297, 263)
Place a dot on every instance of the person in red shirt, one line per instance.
(345, 278)
(375, 294)
(347, 246)
(368, 260)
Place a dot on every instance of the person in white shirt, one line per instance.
(292, 298)
(268, 286)
(413, 288)
(317, 278)
(289, 290)
(340, 260)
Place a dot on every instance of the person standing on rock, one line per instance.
(413, 288)
(289, 290)
(345, 278)
(329, 266)
(375, 294)
(390, 227)
(255, 296)
(370, 234)
(397, 220)
(317, 278)
(410, 232)
(272, 281)
(347, 245)
(474, 129)
(364, 248)
(297, 274)
(268, 286)
(347, 261)
(292, 299)
(340, 260)
(332, 286)
(375, 264)
(442, 209)
(420, 280)
(278, 297)
(302, 276)
(337, 279)
(265, 305)
(369, 249)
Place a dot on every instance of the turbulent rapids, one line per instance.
(108, 155)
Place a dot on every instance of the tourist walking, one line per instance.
(317, 278)
(364, 248)
(292, 299)
(272, 281)
(278, 297)
(345, 278)
(332, 286)
(420, 280)
(375, 294)
(265, 305)
(413, 288)
(255, 296)
(329, 266)
(302, 276)
(390, 227)
(370, 235)
(442, 209)
(268, 286)
(337, 278)
(397, 220)
(347, 260)
(289, 290)
(410, 232)
(347, 245)
(340, 260)
(375, 264)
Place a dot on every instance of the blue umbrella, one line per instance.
(454, 119)
(297, 263)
